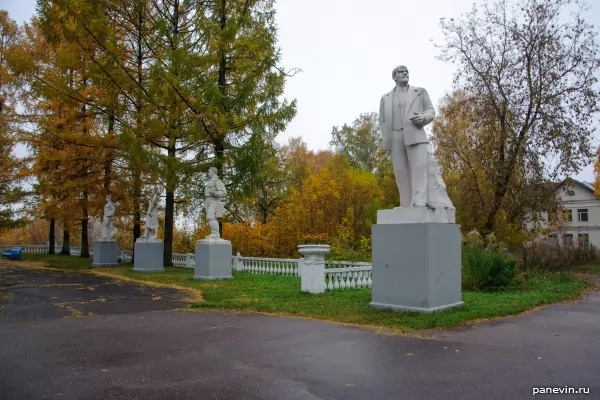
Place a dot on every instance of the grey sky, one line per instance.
(346, 50)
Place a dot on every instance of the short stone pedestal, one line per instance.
(148, 255)
(105, 253)
(213, 259)
(416, 266)
(312, 269)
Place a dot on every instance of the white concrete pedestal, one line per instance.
(213, 259)
(312, 268)
(416, 266)
(414, 215)
(148, 255)
(105, 253)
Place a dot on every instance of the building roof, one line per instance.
(585, 185)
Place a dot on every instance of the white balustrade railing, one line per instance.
(28, 248)
(346, 264)
(184, 260)
(125, 255)
(270, 266)
(42, 248)
(348, 278)
(337, 275)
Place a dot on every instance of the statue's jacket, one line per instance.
(417, 101)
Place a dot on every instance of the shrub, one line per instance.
(551, 256)
(336, 254)
(487, 269)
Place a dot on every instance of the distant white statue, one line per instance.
(108, 218)
(214, 195)
(152, 216)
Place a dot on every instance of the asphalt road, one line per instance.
(130, 347)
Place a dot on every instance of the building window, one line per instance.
(568, 238)
(584, 238)
(567, 215)
(582, 214)
(570, 193)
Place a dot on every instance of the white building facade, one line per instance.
(581, 221)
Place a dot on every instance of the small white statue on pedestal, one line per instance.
(214, 194)
(107, 221)
(152, 217)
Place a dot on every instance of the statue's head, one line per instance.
(212, 171)
(109, 197)
(400, 74)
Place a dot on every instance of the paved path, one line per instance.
(128, 351)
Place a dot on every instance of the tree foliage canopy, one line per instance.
(530, 72)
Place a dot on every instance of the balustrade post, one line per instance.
(238, 264)
(300, 266)
(190, 261)
(312, 279)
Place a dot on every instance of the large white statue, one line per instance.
(403, 113)
(107, 221)
(152, 216)
(214, 194)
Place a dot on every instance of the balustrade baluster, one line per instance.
(329, 283)
(336, 280)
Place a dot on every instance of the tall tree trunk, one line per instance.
(169, 212)
(171, 153)
(222, 81)
(66, 247)
(51, 243)
(85, 249)
(219, 157)
(109, 158)
(137, 208)
(137, 183)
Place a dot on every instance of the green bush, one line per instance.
(487, 269)
(551, 256)
(336, 254)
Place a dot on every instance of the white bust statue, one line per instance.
(214, 194)
(107, 221)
